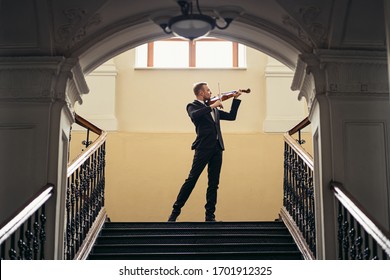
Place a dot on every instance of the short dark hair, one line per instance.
(198, 87)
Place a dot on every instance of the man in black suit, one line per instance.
(208, 147)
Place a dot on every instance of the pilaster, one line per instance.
(282, 110)
(37, 97)
(348, 98)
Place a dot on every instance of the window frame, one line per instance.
(192, 52)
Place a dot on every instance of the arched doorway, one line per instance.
(151, 153)
(345, 62)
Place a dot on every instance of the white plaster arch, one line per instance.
(255, 34)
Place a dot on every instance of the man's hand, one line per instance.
(217, 103)
(237, 94)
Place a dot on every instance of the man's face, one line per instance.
(206, 93)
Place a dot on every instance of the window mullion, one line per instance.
(235, 54)
(192, 53)
(150, 54)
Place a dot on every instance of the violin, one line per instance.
(226, 95)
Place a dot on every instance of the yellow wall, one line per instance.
(149, 157)
(155, 100)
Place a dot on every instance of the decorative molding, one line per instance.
(341, 73)
(308, 90)
(299, 75)
(304, 82)
(28, 77)
(306, 24)
(77, 85)
(309, 16)
(42, 78)
(357, 77)
(77, 27)
(294, 25)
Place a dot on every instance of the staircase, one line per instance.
(195, 240)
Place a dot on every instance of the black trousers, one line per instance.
(212, 158)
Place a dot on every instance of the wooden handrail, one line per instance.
(306, 157)
(86, 124)
(25, 211)
(305, 122)
(370, 225)
(75, 163)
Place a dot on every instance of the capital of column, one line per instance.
(338, 72)
(41, 79)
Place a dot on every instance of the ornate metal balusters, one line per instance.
(86, 191)
(367, 251)
(77, 239)
(22, 246)
(80, 213)
(29, 237)
(84, 181)
(359, 242)
(287, 177)
(298, 194)
(12, 250)
(36, 236)
(101, 169)
(42, 233)
(312, 222)
(354, 243)
(94, 184)
(67, 236)
(352, 234)
(345, 228)
(90, 190)
(340, 231)
(83, 204)
(100, 163)
(72, 214)
(26, 239)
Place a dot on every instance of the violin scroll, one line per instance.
(245, 90)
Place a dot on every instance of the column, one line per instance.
(37, 95)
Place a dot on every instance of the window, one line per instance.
(180, 53)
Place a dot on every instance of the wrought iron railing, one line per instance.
(23, 236)
(359, 236)
(85, 194)
(298, 210)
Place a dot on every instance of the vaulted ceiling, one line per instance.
(96, 30)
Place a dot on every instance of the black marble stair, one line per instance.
(195, 240)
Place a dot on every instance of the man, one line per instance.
(208, 147)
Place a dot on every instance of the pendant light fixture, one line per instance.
(192, 25)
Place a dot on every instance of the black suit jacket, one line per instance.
(208, 130)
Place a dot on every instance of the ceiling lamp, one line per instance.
(192, 26)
